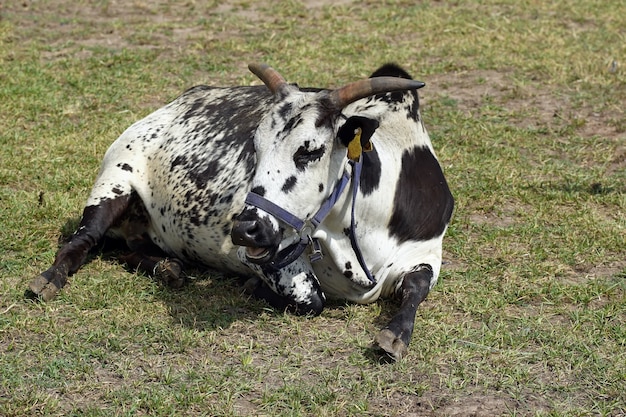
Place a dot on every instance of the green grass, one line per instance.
(525, 105)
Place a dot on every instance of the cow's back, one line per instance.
(189, 164)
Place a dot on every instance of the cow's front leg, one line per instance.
(395, 337)
(294, 288)
(95, 222)
(148, 258)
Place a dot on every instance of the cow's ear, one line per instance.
(355, 134)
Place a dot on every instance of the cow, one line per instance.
(308, 192)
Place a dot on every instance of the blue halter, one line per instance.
(293, 252)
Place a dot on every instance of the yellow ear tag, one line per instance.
(354, 147)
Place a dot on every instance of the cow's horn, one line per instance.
(270, 77)
(357, 90)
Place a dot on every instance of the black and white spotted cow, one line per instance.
(313, 193)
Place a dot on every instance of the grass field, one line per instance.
(525, 102)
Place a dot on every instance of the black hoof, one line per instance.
(251, 285)
(169, 272)
(42, 289)
(390, 344)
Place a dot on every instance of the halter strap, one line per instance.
(353, 242)
(293, 252)
(280, 213)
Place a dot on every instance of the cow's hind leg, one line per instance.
(95, 222)
(395, 337)
(151, 260)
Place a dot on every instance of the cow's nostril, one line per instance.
(245, 233)
(240, 232)
(252, 229)
(258, 236)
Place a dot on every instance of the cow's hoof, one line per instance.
(390, 344)
(251, 285)
(42, 289)
(170, 273)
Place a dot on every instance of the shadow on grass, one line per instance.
(208, 300)
(211, 300)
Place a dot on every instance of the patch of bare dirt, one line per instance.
(432, 404)
(505, 215)
(311, 4)
(584, 273)
(610, 270)
(477, 406)
(75, 28)
(112, 22)
(472, 90)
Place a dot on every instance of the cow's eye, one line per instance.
(304, 156)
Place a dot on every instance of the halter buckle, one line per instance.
(317, 253)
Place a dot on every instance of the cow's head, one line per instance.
(302, 145)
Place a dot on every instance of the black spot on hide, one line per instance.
(284, 110)
(413, 107)
(125, 167)
(258, 190)
(370, 174)
(393, 70)
(289, 184)
(202, 177)
(292, 124)
(179, 160)
(304, 155)
(422, 204)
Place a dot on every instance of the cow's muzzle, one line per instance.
(257, 235)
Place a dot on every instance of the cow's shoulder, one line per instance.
(391, 70)
(400, 102)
